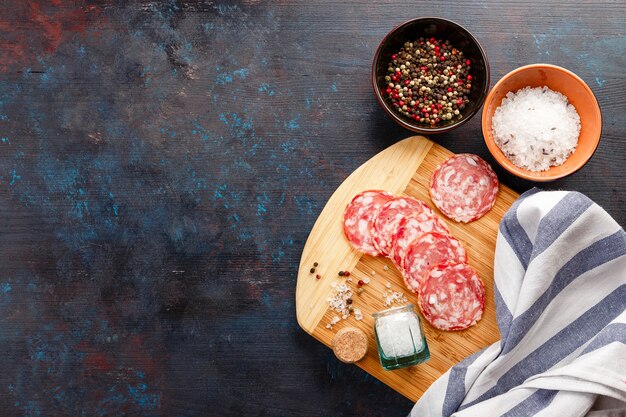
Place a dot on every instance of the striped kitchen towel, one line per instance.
(560, 293)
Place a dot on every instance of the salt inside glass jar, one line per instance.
(400, 337)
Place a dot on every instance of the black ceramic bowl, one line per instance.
(432, 27)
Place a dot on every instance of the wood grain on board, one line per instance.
(403, 169)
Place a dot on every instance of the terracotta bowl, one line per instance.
(579, 95)
(435, 27)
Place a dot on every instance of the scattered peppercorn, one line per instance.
(318, 276)
(360, 283)
(347, 273)
(341, 273)
(359, 291)
(315, 264)
(428, 81)
(312, 270)
(349, 301)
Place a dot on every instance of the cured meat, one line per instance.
(391, 215)
(411, 229)
(427, 251)
(358, 219)
(452, 297)
(464, 187)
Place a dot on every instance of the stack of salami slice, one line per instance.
(433, 263)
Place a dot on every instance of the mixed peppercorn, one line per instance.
(312, 270)
(428, 81)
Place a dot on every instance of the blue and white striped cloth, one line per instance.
(560, 292)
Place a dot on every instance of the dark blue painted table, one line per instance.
(161, 164)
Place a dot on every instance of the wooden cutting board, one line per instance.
(402, 169)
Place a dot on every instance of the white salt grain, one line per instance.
(399, 334)
(338, 301)
(536, 128)
(394, 297)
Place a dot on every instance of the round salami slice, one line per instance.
(390, 216)
(464, 187)
(358, 219)
(411, 229)
(426, 252)
(452, 297)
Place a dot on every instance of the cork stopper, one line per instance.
(350, 344)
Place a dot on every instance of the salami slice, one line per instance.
(452, 297)
(358, 219)
(411, 229)
(426, 252)
(391, 215)
(464, 187)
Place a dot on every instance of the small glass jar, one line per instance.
(400, 337)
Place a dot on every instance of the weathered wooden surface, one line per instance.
(162, 162)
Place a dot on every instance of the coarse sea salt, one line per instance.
(399, 335)
(536, 128)
(393, 297)
(338, 301)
